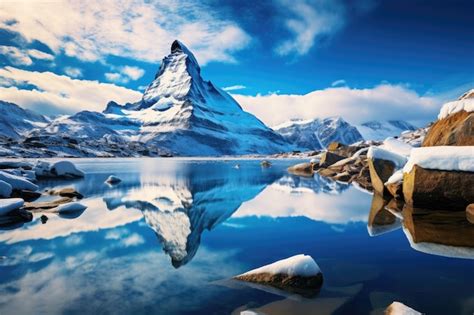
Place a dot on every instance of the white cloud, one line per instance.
(234, 87)
(133, 240)
(383, 102)
(124, 74)
(144, 30)
(55, 93)
(73, 72)
(306, 21)
(16, 56)
(38, 54)
(339, 83)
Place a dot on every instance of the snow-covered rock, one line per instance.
(464, 103)
(10, 204)
(447, 158)
(299, 274)
(57, 169)
(380, 130)
(381, 154)
(318, 133)
(17, 182)
(396, 146)
(5, 189)
(397, 308)
(71, 207)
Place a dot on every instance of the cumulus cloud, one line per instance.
(92, 30)
(38, 54)
(124, 74)
(383, 102)
(73, 72)
(234, 87)
(54, 94)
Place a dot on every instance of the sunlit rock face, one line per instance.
(179, 206)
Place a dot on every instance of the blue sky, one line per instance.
(420, 51)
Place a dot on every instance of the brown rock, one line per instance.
(302, 169)
(306, 286)
(333, 146)
(26, 195)
(456, 129)
(326, 172)
(380, 171)
(328, 158)
(395, 205)
(66, 192)
(343, 177)
(395, 189)
(436, 189)
(15, 218)
(380, 219)
(46, 205)
(363, 179)
(470, 213)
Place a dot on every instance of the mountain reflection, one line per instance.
(180, 206)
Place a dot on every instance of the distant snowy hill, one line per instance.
(380, 130)
(179, 113)
(318, 133)
(16, 121)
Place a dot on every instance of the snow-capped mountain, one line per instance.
(380, 130)
(318, 133)
(16, 121)
(179, 113)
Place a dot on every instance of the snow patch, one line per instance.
(453, 107)
(446, 158)
(397, 146)
(298, 265)
(382, 154)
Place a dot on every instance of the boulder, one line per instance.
(380, 171)
(265, 164)
(69, 192)
(437, 189)
(326, 172)
(343, 177)
(470, 213)
(302, 169)
(5, 189)
(10, 204)
(363, 179)
(46, 205)
(26, 195)
(329, 158)
(455, 129)
(333, 146)
(298, 274)
(17, 182)
(60, 169)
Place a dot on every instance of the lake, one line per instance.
(167, 239)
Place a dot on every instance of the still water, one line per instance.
(167, 239)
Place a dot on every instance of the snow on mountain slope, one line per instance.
(16, 121)
(318, 133)
(380, 130)
(179, 113)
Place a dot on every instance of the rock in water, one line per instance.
(10, 204)
(382, 165)
(71, 207)
(265, 164)
(302, 169)
(5, 189)
(60, 169)
(299, 274)
(113, 180)
(69, 192)
(397, 308)
(438, 189)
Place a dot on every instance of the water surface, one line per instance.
(170, 235)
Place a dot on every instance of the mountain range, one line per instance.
(179, 114)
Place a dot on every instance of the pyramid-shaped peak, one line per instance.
(178, 46)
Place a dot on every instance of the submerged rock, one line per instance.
(113, 180)
(438, 189)
(298, 274)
